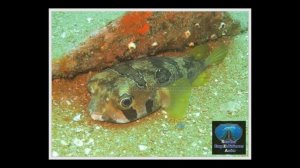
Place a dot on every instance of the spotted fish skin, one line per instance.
(133, 89)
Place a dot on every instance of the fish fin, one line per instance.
(216, 56)
(199, 52)
(180, 93)
(201, 79)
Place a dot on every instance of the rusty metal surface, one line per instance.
(140, 34)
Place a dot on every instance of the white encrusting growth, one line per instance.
(131, 46)
(187, 34)
(154, 44)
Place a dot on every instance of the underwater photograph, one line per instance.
(149, 84)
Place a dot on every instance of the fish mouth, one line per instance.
(105, 110)
(99, 117)
(104, 118)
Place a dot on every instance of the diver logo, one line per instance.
(228, 137)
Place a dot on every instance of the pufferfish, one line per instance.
(134, 89)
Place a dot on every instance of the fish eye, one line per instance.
(126, 101)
